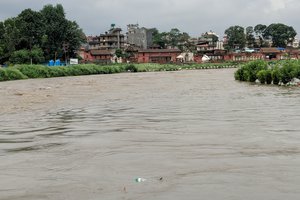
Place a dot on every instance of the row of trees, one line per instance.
(173, 38)
(279, 34)
(237, 37)
(36, 36)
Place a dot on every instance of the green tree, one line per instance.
(236, 37)
(20, 57)
(47, 29)
(25, 56)
(280, 34)
(185, 44)
(9, 38)
(59, 31)
(159, 38)
(119, 53)
(31, 29)
(259, 31)
(37, 55)
(174, 39)
(250, 37)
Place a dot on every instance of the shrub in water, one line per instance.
(261, 76)
(268, 74)
(239, 75)
(296, 71)
(276, 76)
(253, 68)
(286, 73)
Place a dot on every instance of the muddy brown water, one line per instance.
(203, 134)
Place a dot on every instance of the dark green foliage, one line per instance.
(280, 34)
(11, 74)
(20, 57)
(25, 56)
(34, 71)
(296, 70)
(251, 69)
(236, 37)
(3, 75)
(119, 53)
(175, 39)
(280, 72)
(42, 33)
(250, 39)
(59, 71)
(131, 68)
(276, 76)
(268, 74)
(40, 71)
(239, 75)
(286, 72)
(261, 75)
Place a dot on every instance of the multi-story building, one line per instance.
(294, 43)
(93, 42)
(208, 42)
(139, 37)
(112, 40)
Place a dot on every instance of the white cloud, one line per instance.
(192, 16)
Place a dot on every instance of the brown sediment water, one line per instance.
(187, 134)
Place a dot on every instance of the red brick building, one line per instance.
(272, 53)
(157, 55)
(100, 56)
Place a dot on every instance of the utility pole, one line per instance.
(66, 48)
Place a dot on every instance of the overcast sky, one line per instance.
(191, 16)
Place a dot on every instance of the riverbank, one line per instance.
(286, 72)
(39, 71)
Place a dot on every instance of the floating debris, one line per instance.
(139, 180)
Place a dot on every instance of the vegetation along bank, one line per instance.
(40, 71)
(285, 72)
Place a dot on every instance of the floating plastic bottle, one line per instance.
(139, 180)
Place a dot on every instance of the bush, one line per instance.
(14, 74)
(261, 75)
(296, 71)
(34, 71)
(131, 68)
(252, 68)
(3, 75)
(281, 71)
(239, 75)
(268, 76)
(58, 71)
(286, 73)
(276, 76)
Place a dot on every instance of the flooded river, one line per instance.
(190, 134)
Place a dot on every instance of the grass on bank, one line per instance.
(280, 72)
(41, 71)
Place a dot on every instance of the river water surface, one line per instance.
(190, 134)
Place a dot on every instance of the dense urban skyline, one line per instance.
(191, 16)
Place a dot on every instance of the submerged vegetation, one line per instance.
(40, 71)
(278, 73)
